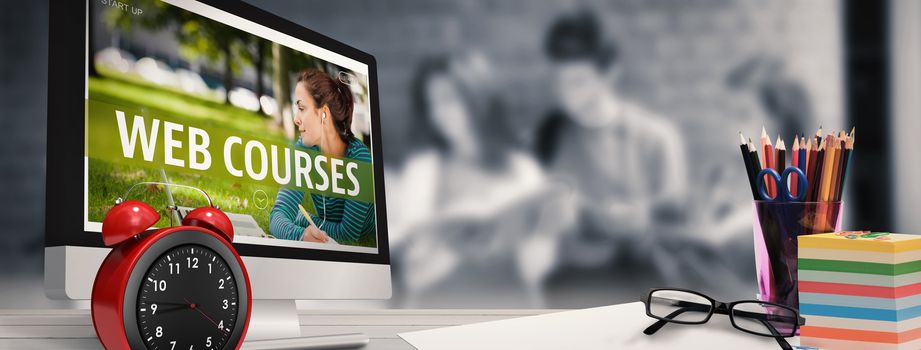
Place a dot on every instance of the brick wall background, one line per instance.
(676, 53)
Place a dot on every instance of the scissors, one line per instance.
(783, 190)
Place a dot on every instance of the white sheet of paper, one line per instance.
(609, 327)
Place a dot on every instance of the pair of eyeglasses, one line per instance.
(750, 316)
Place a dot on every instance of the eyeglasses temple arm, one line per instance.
(655, 327)
(761, 317)
(779, 338)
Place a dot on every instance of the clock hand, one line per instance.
(196, 308)
(163, 310)
(168, 310)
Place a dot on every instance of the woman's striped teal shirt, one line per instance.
(343, 220)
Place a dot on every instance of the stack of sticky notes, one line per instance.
(860, 290)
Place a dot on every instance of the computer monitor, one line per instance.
(228, 98)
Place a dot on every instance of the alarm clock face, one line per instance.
(187, 291)
(187, 300)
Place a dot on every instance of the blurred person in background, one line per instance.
(782, 96)
(626, 164)
(472, 214)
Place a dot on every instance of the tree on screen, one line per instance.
(198, 37)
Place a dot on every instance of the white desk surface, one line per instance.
(73, 329)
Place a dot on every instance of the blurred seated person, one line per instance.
(782, 96)
(626, 164)
(472, 191)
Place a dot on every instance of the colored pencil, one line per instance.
(801, 164)
(780, 153)
(780, 158)
(767, 152)
(809, 159)
(821, 213)
(811, 150)
(746, 158)
(817, 174)
(845, 159)
(834, 166)
(753, 153)
(836, 170)
(794, 161)
(839, 162)
(828, 171)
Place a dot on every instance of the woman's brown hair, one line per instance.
(333, 93)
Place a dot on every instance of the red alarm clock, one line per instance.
(182, 287)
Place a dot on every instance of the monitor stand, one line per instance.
(274, 324)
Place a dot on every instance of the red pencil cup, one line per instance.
(776, 227)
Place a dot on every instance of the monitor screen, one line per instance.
(275, 129)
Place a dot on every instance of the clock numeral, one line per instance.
(175, 268)
(192, 262)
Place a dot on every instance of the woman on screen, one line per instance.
(324, 119)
